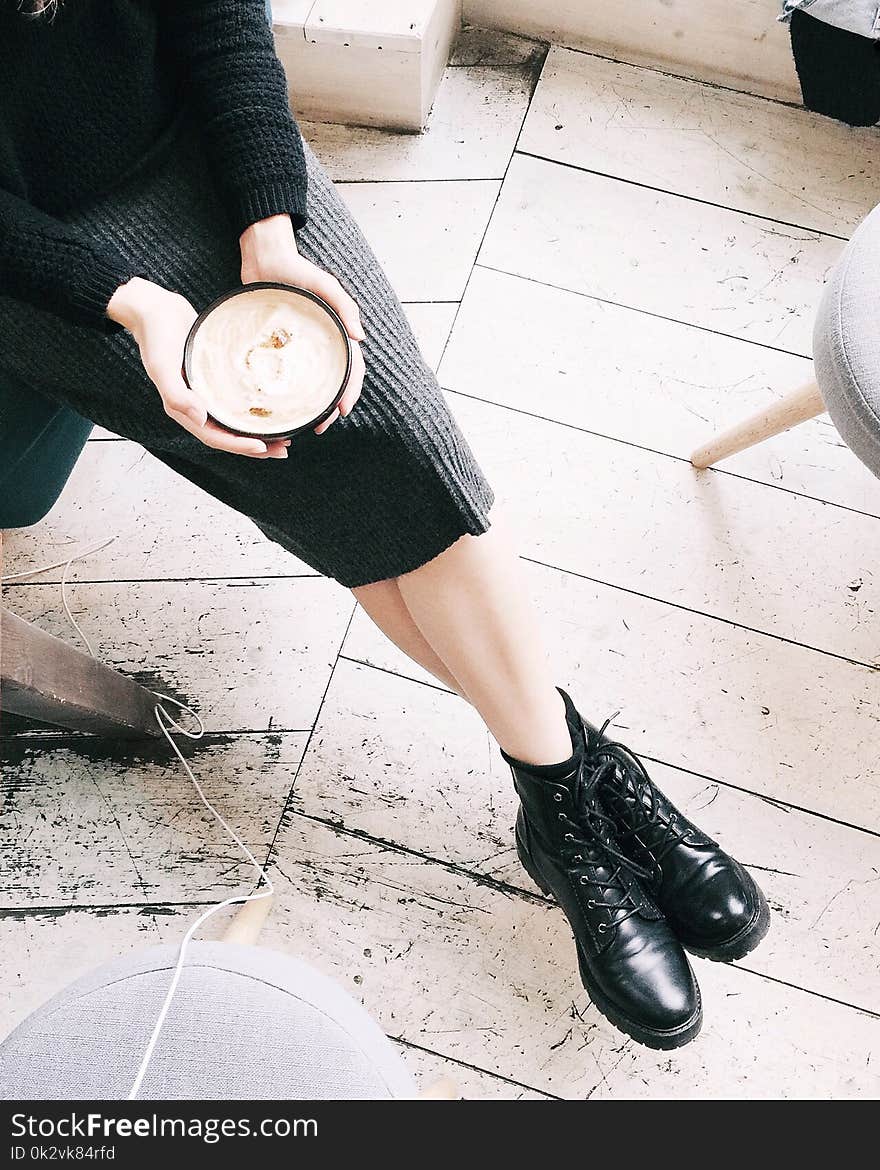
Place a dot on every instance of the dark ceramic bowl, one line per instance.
(272, 436)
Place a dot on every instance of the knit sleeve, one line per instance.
(239, 88)
(53, 266)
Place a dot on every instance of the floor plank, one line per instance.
(655, 383)
(108, 823)
(724, 546)
(761, 1057)
(718, 269)
(760, 714)
(473, 1084)
(707, 143)
(471, 132)
(747, 49)
(248, 655)
(485, 46)
(395, 929)
(426, 235)
(164, 526)
(431, 324)
(365, 771)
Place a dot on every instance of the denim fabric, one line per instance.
(40, 442)
(857, 16)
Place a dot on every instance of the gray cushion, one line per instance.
(246, 1024)
(846, 343)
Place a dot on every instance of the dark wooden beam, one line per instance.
(45, 678)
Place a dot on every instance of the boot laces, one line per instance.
(656, 832)
(591, 836)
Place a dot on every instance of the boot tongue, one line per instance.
(584, 790)
(586, 803)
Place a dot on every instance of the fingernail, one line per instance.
(280, 454)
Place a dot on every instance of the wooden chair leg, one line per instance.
(246, 925)
(47, 679)
(802, 404)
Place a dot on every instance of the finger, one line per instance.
(219, 439)
(355, 382)
(222, 440)
(327, 423)
(277, 450)
(178, 398)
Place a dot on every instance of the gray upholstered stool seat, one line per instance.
(846, 343)
(246, 1024)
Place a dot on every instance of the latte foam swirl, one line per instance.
(267, 361)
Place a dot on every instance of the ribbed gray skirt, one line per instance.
(379, 494)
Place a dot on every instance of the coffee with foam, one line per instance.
(267, 360)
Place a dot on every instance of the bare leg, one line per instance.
(383, 603)
(471, 606)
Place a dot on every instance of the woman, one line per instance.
(148, 163)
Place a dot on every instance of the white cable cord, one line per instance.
(86, 552)
(167, 724)
(162, 715)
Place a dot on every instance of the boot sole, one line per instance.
(741, 944)
(649, 1037)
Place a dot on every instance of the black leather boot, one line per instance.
(631, 963)
(711, 901)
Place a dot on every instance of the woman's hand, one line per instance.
(269, 252)
(160, 322)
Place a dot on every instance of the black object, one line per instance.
(710, 901)
(631, 963)
(40, 441)
(839, 71)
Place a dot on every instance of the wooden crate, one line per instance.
(364, 63)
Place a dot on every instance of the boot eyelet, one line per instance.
(557, 796)
(585, 881)
(568, 837)
(578, 857)
(563, 817)
(591, 904)
(602, 928)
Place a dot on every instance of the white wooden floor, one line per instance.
(603, 273)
